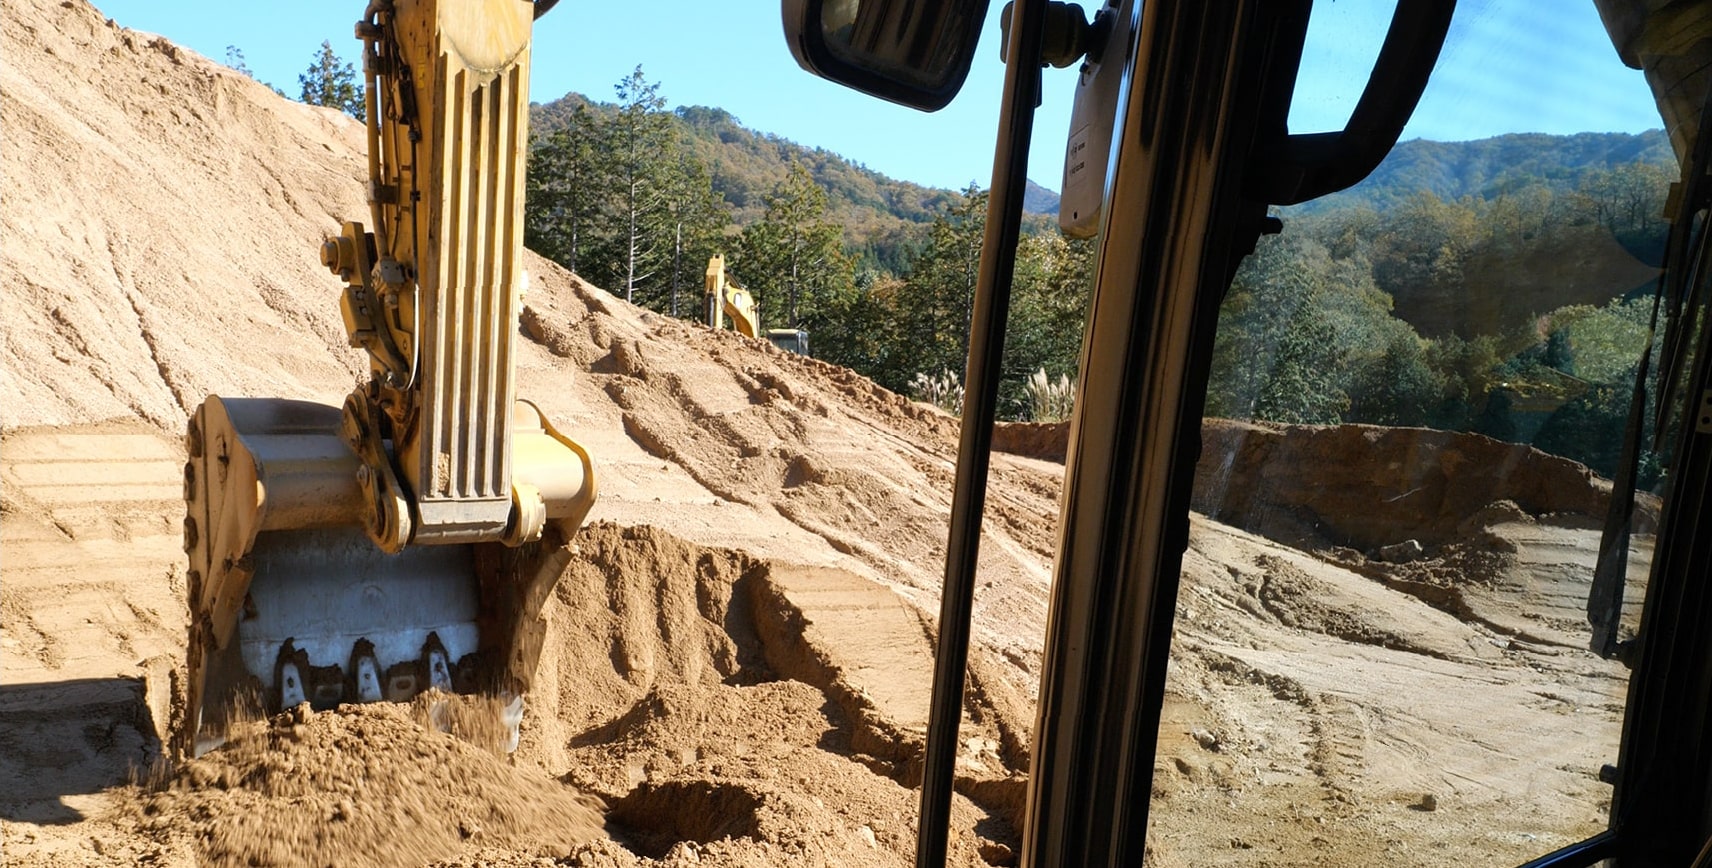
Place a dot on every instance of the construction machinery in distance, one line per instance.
(406, 541)
(725, 298)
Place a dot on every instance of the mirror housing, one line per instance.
(914, 54)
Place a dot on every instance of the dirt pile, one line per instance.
(785, 457)
(706, 695)
(158, 240)
(1045, 440)
(365, 785)
(159, 244)
(1367, 487)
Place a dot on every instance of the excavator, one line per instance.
(405, 541)
(725, 298)
(1180, 159)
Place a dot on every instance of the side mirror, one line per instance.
(912, 53)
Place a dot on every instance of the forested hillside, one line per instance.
(1496, 286)
(881, 217)
(1487, 168)
(1519, 309)
(636, 197)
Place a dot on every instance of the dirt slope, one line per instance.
(737, 657)
(179, 202)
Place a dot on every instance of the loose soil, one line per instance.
(363, 785)
(737, 658)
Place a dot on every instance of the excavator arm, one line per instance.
(406, 540)
(724, 298)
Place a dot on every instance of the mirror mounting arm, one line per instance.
(1067, 36)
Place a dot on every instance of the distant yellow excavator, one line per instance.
(407, 540)
(725, 298)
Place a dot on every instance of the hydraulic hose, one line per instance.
(371, 112)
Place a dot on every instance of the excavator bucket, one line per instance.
(405, 541)
(295, 603)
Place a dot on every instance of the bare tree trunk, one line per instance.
(677, 258)
(796, 252)
(630, 248)
(572, 259)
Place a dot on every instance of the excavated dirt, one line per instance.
(737, 659)
(697, 691)
(1296, 483)
(365, 785)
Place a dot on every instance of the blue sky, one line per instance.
(733, 55)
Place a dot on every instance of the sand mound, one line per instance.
(728, 442)
(159, 240)
(705, 697)
(159, 244)
(363, 785)
(1368, 487)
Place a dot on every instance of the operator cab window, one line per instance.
(1419, 394)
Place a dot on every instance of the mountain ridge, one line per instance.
(746, 164)
(1484, 167)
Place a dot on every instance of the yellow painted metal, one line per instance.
(466, 494)
(725, 298)
(456, 226)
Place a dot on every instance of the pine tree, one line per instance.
(1280, 351)
(1301, 386)
(643, 145)
(1049, 307)
(698, 220)
(939, 298)
(792, 257)
(332, 82)
(568, 186)
(614, 197)
(858, 326)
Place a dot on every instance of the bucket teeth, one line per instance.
(288, 676)
(365, 672)
(362, 678)
(326, 686)
(465, 675)
(402, 681)
(437, 664)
